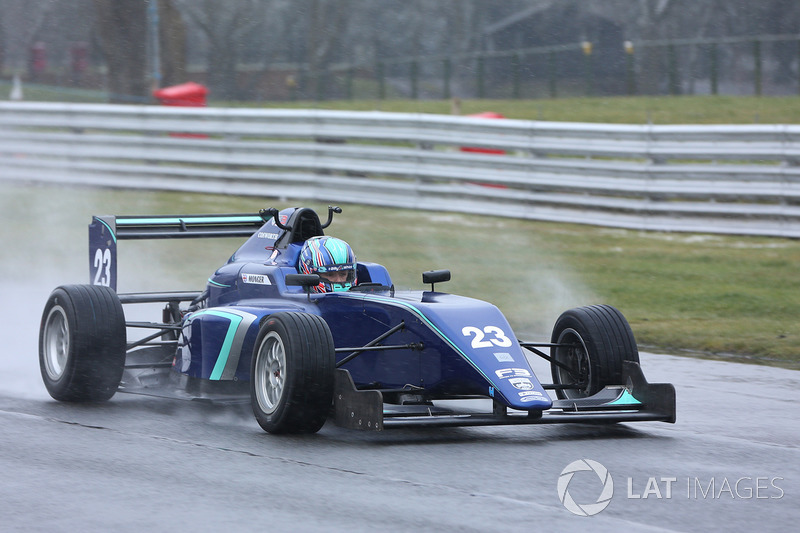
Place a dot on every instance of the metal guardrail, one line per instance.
(715, 179)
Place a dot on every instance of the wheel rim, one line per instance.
(576, 357)
(270, 377)
(56, 343)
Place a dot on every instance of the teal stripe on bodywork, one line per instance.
(225, 351)
(434, 328)
(217, 284)
(188, 220)
(111, 231)
(626, 398)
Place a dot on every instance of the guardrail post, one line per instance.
(381, 81)
(446, 70)
(320, 96)
(757, 66)
(714, 69)
(291, 86)
(516, 65)
(672, 67)
(413, 78)
(630, 75)
(480, 80)
(303, 84)
(552, 72)
(349, 83)
(588, 70)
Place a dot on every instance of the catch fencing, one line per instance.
(711, 179)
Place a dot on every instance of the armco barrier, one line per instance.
(715, 179)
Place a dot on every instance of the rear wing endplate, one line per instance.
(105, 231)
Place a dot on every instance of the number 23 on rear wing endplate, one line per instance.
(106, 230)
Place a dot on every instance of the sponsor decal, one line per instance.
(530, 398)
(505, 373)
(504, 357)
(491, 392)
(521, 383)
(530, 393)
(256, 279)
(267, 235)
(335, 268)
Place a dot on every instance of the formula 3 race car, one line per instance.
(371, 357)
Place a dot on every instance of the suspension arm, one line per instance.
(147, 339)
(534, 347)
(371, 344)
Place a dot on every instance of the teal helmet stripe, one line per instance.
(338, 251)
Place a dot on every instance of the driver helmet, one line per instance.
(332, 259)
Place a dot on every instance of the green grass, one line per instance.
(44, 93)
(618, 110)
(719, 296)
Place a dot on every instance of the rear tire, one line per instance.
(82, 343)
(292, 372)
(599, 339)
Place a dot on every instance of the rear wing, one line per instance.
(105, 231)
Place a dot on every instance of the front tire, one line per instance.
(594, 342)
(292, 372)
(82, 343)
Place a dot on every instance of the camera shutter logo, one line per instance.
(586, 509)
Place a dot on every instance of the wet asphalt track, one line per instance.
(144, 464)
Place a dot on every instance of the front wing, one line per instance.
(636, 400)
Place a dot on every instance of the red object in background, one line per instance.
(485, 114)
(188, 94)
(79, 55)
(38, 58)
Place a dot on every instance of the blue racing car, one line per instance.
(295, 325)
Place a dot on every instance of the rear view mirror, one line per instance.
(435, 276)
(303, 280)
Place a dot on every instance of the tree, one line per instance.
(2, 43)
(224, 26)
(172, 38)
(122, 33)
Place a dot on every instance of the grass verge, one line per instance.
(617, 110)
